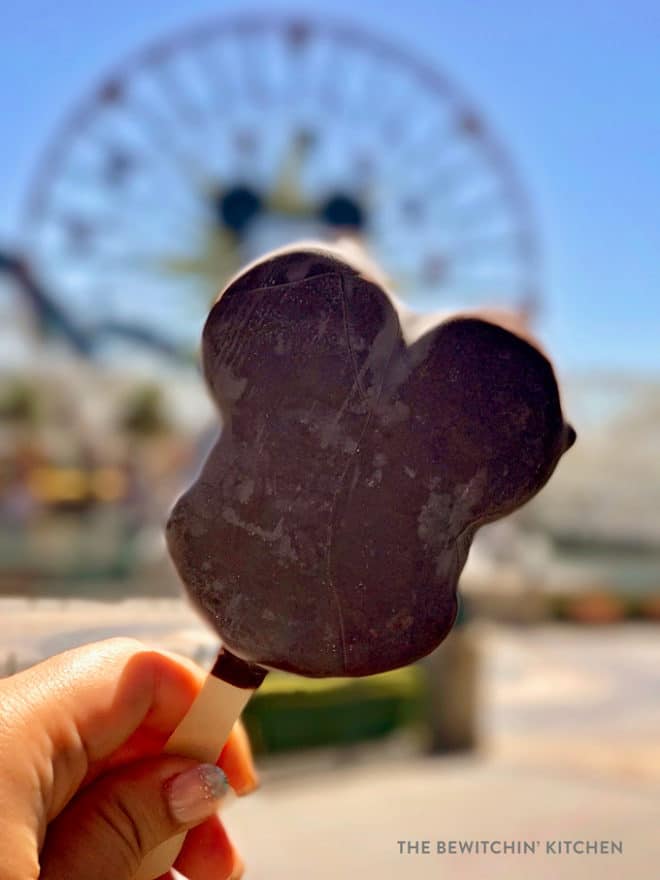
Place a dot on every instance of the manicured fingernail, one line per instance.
(197, 793)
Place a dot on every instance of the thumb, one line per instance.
(107, 830)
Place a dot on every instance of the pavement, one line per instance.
(569, 760)
(348, 821)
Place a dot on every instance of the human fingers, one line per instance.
(208, 854)
(109, 828)
(80, 707)
(237, 762)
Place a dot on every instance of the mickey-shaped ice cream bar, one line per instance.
(328, 527)
(360, 450)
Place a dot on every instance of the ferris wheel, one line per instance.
(208, 148)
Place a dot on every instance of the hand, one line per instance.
(84, 790)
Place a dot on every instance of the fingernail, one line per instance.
(197, 793)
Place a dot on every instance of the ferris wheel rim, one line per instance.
(209, 29)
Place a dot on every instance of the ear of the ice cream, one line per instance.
(502, 430)
(294, 331)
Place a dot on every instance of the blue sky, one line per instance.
(572, 89)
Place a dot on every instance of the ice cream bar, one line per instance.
(360, 450)
(327, 529)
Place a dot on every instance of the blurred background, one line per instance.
(497, 155)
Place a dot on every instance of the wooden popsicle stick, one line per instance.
(201, 734)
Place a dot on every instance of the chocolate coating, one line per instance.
(329, 524)
(237, 672)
